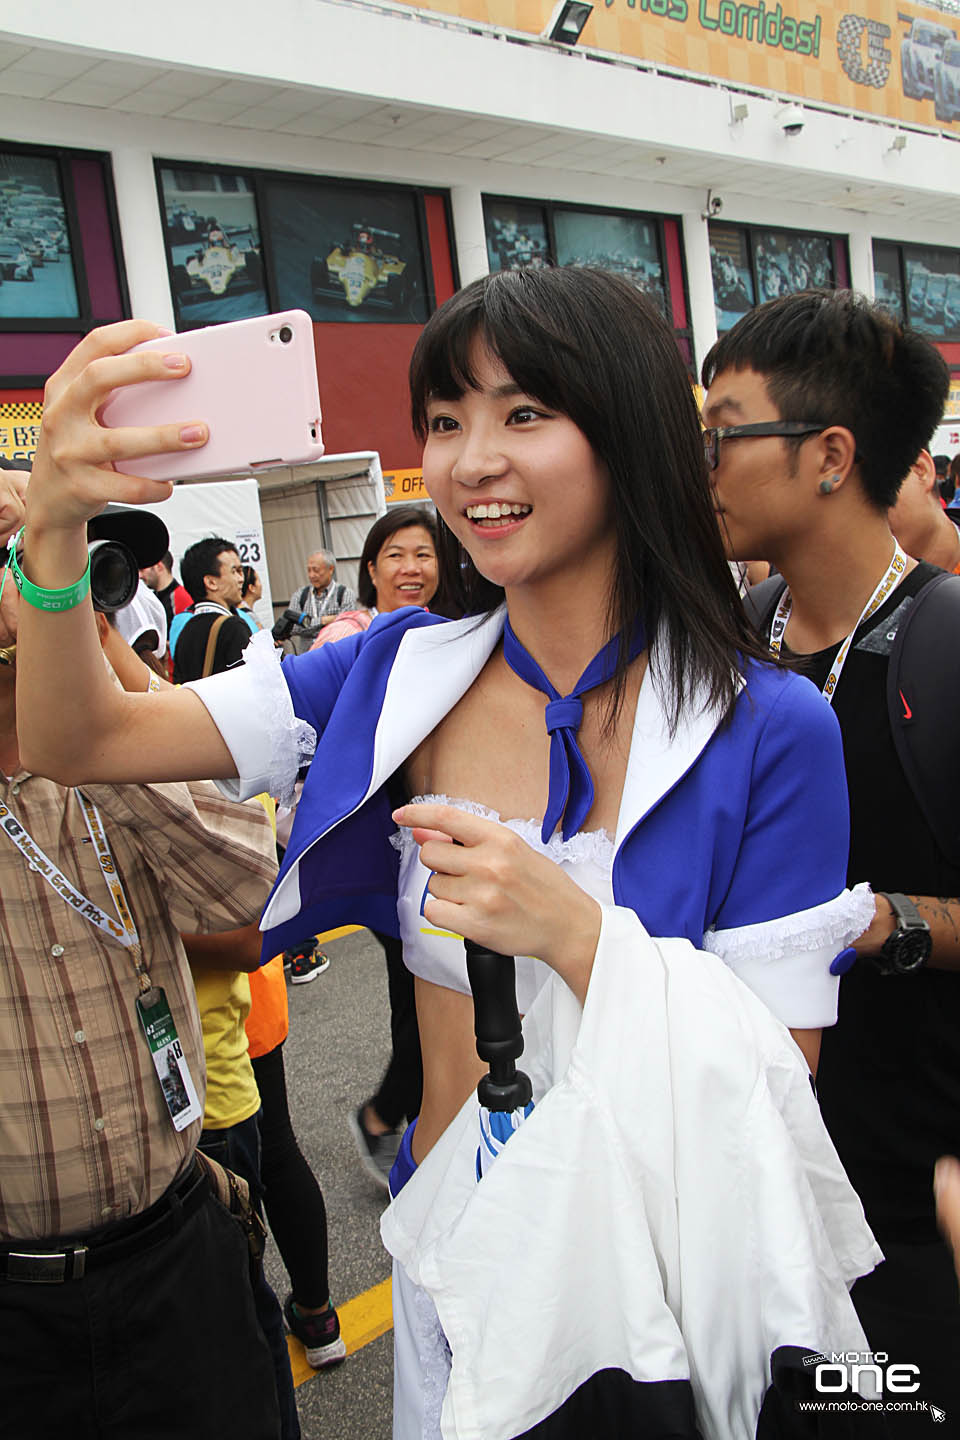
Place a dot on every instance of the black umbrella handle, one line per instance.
(496, 1020)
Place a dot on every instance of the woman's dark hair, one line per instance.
(249, 580)
(398, 517)
(585, 343)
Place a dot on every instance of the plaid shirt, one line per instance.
(85, 1135)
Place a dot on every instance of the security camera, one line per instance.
(791, 119)
(713, 207)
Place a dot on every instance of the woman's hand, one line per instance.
(73, 476)
(13, 497)
(490, 886)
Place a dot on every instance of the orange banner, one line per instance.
(884, 57)
(404, 486)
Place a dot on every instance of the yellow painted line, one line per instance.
(340, 931)
(364, 1318)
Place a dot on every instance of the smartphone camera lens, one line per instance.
(286, 334)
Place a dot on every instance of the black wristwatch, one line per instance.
(909, 947)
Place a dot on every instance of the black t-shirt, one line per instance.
(165, 597)
(889, 1074)
(232, 637)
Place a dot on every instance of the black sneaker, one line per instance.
(306, 963)
(318, 1334)
(377, 1152)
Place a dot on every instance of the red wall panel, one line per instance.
(363, 368)
(363, 390)
(440, 248)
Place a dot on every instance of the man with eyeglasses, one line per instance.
(817, 405)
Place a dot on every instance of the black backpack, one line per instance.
(923, 697)
(339, 593)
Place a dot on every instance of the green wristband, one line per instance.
(65, 599)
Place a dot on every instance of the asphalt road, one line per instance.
(339, 1043)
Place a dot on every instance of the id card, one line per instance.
(169, 1061)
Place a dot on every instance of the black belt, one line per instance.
(32, 1263)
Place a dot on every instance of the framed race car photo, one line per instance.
(37, 279)
(517, 236)
(933, 290)
(628, 245)
(345, 251)
(214, 251)
(749, 265)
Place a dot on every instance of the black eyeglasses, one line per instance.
(714, 434)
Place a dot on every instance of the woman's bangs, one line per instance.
(504, 317)
(440, 366)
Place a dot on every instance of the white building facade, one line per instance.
(712, 190)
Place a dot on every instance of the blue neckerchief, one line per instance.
(571, 785)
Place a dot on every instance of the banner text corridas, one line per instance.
(761, 23)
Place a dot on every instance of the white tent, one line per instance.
(331, 503)
(230, 508)
(281, 516)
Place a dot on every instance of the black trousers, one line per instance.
(401, 1089)
(909, 1307)
(238, 1149)
(162, 1343)
(292, 1196)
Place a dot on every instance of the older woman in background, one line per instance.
(398, 567)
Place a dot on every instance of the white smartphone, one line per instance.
(254, 384)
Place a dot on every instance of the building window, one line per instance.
(751, 265)
(36, 248)
(61, 267)
(348, 252)
(249, 242)
(214, 249)
(919, 284)
(645, 249)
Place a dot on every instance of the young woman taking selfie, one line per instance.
(595, 768)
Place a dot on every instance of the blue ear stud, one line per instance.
(843, 962)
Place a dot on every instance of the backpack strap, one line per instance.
(923, 703)
(208, 654)
(761, 601)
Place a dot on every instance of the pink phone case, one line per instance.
(254, 383)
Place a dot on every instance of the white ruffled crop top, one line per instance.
(801, 993)
(438, 955)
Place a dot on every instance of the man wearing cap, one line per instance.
(120, 1273)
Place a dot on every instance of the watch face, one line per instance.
(906, 950)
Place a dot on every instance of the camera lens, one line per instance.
(286, 334)
(113, 575)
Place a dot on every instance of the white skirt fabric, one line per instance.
(672, 1208)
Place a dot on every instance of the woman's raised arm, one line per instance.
(73, 724)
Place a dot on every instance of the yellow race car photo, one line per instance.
(220, 264)
(359, 270)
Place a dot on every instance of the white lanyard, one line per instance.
(123, 930)
(892, 578)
